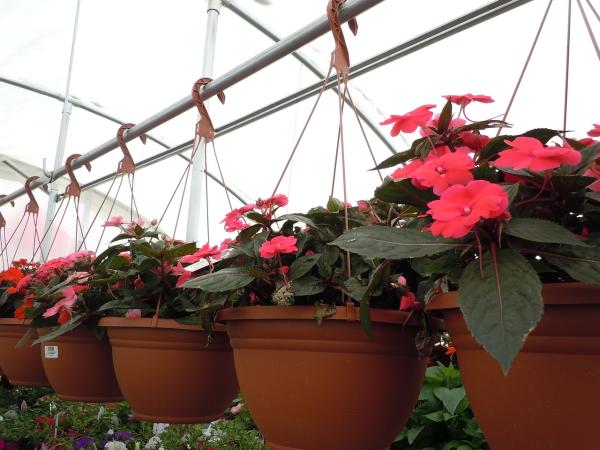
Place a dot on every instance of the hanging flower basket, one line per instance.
(552, 377)
(79, 366)
(22, 365)
(170, 372)
(312, 387)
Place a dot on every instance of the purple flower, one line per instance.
(122, 435)
(83, 442)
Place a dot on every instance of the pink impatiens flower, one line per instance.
(271, 202)
(182, 274)
(133, 313)
(409, 122)
(115, 221)
(464, 100)
(204, 252)
(461, 207)
(433, 123)
(442, 172)
(277, 246)
(594, 132)
(65, 305)
(594, 172)
(408, 301)
(233, 219)
(529, 153)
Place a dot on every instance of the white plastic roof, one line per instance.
(134, 58)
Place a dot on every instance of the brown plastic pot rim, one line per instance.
(346, 313)
(552, 293)
(149, 322)
(11, 321)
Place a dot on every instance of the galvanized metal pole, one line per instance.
(59, 155)
(199, 160)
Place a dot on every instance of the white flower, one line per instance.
(100, 412)
(24, 406)
(153, 443)
(115, 445)
(11, 414)
(159, 428)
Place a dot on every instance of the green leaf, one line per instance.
(394, 160)
(297, 218)
(571, 183)
(375, 281)
(539, 230)
(436, 416)
(404, 193)
(445, 117)
(247, 234)
(393, 243)
(117, 262)
(335, 205)
(302, 265)
(308, 285)
(412, 433)
(258, 218)
(581, 263)
(65, 328)
(181, 250)
(451, 398)
(503, 307)
(512, 189)
(223, 280)
(323, 310)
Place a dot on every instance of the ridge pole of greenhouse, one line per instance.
(199, 159)
(59, 155)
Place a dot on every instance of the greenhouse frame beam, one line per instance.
(89, 107)
(237, 9)
(97, 111)
(490, 11)
(265, 58)
(286, 46)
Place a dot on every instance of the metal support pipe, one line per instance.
(59, 155)
(239, 10)
(473, 18)
(74, 101)
(198, 177)
(268, 56)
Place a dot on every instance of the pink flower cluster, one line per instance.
(530, 154)
(234, 220)
(277, 246)
(56, 267)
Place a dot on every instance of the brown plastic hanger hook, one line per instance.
(73, 188)
(126, 165)
(204, 127)
(2, 219)
(31, 207)
(341, 57)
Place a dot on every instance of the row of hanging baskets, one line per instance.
(328, 318)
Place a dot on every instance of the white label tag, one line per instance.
(51, 351)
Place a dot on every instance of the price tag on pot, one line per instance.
(51, 351)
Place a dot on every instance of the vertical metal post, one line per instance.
(198, 175)
(59, 156)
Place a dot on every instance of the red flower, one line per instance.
(182, 274)
(474, 141)
(594, 132)
(407, 170)
(363, 206)
(277, 246)
(433, 123)
(408, 301)
(464, 100)
(450, 351)
(442, 172)
(204, 252)
(529, 153)
(20, 311)
(409, 122)
(233, 218)
(277, 200)
(595, 173)
(588, 141)
(461, 207)
(284, 269)
(11, 275)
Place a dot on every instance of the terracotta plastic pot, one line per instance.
(170, 372)
(314, 387)
(79, 367)
(23, 365)
(552, 381)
